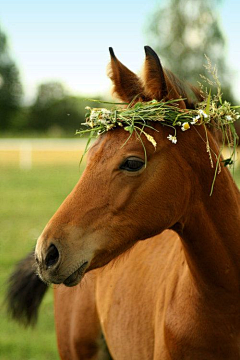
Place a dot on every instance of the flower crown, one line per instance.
(100, 120)
(136, 118)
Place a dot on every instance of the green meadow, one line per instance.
(28, 199)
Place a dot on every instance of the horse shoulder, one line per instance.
(131, 295)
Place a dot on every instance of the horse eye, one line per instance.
(132, 164)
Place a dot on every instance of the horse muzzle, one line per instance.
(53, 270)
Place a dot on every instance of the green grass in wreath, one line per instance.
(138, 118)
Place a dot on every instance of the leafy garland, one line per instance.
(137, 118)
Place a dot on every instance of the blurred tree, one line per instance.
(48, 94)
(183, 31)
(51, 107)
(10, 86)
(56, 111)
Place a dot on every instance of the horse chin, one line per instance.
(76, 276)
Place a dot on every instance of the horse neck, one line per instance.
(210, 234)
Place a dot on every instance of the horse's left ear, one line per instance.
(126, 84)
(154, 77)
(157, 81)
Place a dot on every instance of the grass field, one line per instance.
(28, 199)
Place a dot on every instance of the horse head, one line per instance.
(120, 199)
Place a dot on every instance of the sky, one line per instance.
(67, 41)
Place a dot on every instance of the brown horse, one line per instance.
(174, 293)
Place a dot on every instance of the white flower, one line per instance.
(185, 126)
(202, 113)
(228, 118)
(195, 120)
(87, 108)
(105, 114)
(94, 115)
(105, 111)
(103, 121)
(173, 139)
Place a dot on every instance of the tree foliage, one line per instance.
(55, 110)
(182, 32)
(10, 86)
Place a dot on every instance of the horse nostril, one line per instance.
(52, 256)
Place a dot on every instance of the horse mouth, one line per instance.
(76, 276)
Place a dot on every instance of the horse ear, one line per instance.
(158, 84)
(126, 84)
(154, 77)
